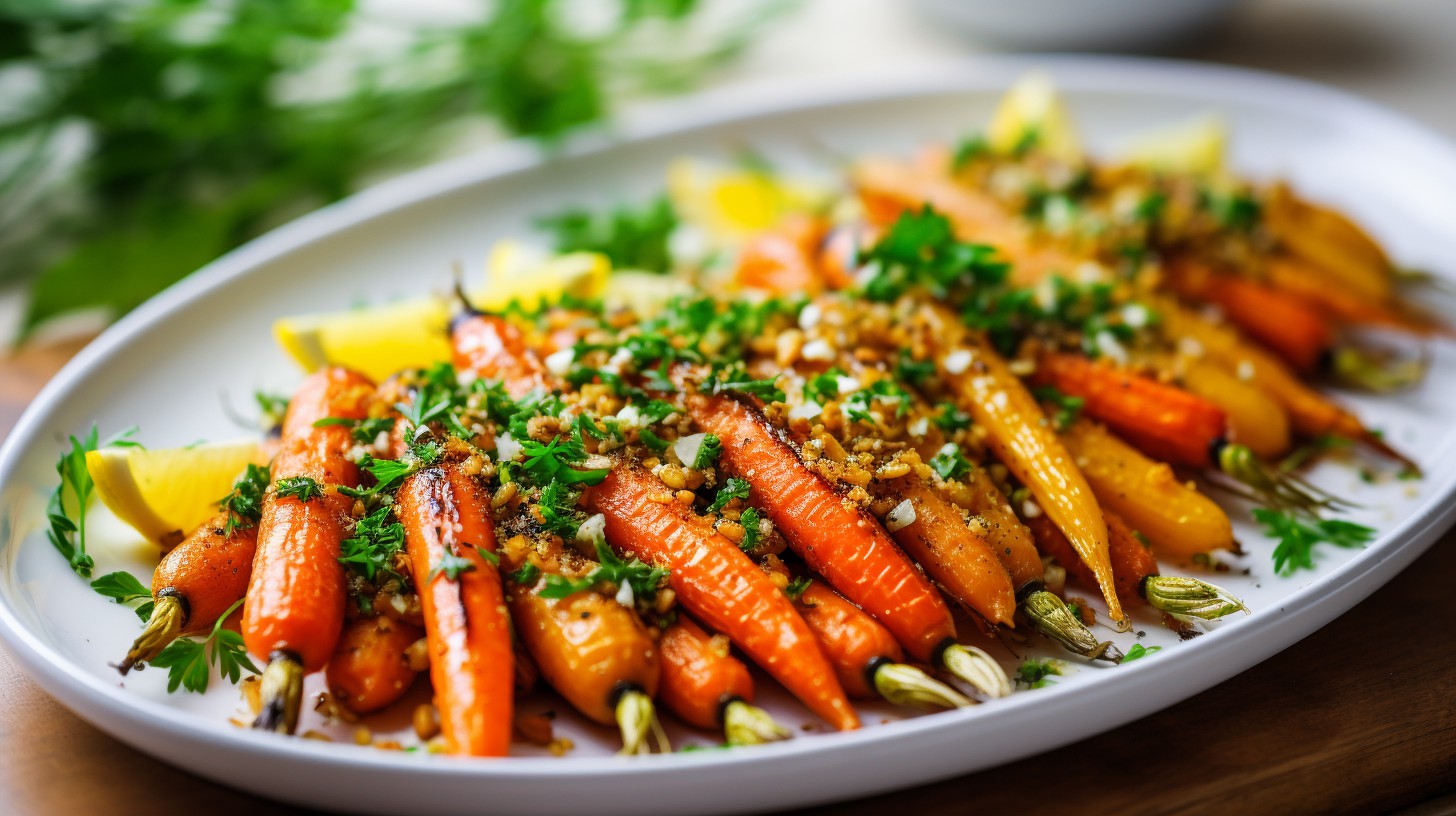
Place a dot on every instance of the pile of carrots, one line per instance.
(832, 486)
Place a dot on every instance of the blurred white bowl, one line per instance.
(1080, 25)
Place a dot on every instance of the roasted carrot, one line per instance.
(1022, 437)
(1180, 521)
(370, 670)
(720, 586)
(958, 555)
(709, 688)
(837, 539)
(450, 537)
(1311, 413)
(1138, 578)
(1164, 420)
(1255, 419)
(866, 657)
(1343, 253)
(1284, 323)
(594, 651)
(1008, 538)
(783, 259)
(489, 346)
(296, 594)
(195, 583)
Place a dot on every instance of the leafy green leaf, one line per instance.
(630, 238)
(302, 488)
(244, 504)
(1298, 534)
(1139, 651)
(734, 488)
(187, 660)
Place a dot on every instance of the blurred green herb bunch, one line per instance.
(140, 139)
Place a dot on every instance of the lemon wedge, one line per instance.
(732, 203)
(516, 272)
(376, 341)
(1194, 145)
(165, 494)
(1034, 109)
(379, 341)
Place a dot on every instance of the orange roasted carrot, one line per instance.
(195, 584)
(296, 594)
(957, 555)
(709, 688)
(865, 655)
(593, 650)
(449, 531)
(1138, 576)
(1284, 323)
(837, 539)
(783, 259)
(1311, 413)
(718, 584)
(370, 669)
(489, 346)
(1008, 538)
(1164, 420)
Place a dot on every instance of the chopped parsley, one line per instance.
(751, 522)
(630, 238)
(734, 488)
(1067, 408)
(797, 587)
(244, 505)
(1036, 673)
(451, 566)
(644, 580)
(187, 661)
(272, 408)
(302, 488)
(968, 150)
(1139, 651)
(526, 575)
(858, 405)
(950, 463)
(554, 460)
(913, 371)
(732, 377)
(950, 418)
(921, 250)
(1298, 534)
(708, 452)
(125, 589)
(371, 549)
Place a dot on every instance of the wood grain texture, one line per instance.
(1358, 718)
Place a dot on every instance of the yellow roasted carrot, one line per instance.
(1021, 436)
(1349, 258)
(1255, 419)
(1178, 520)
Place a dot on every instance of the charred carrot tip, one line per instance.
(282, 693)
(168, 616)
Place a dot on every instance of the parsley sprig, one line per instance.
(67, 532)
(1298, 534)
(642, 578)
(188, 661)
(244, 504)
(370, 550)
(125, 589)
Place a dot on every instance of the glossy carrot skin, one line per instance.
(1311, 413)
(854, 641)
(588, 647)
(839, 541)
(1164, 420)
(720, 586)
(783, 259)
(296, 593)
(491, 347)
(1255, 419)
(1132, 563)
(443, 509)
(698, 678)
(1285, 324)
(959, 556)
(209, 570)
(1021, 436)
(369, 670)
(1008, 538)
(1180, 521)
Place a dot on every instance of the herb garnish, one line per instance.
(1138, 651)
(67, 533)
(125, 589)
(950, 463)
(373, 545)
(303, 488)
(1299, 533)
(734, 488)
(1068, 408)
(187, 660)
(797, 587)
(751, 522)
(244, 504)
(1036, 673)
(643, 579)
(630, 238)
